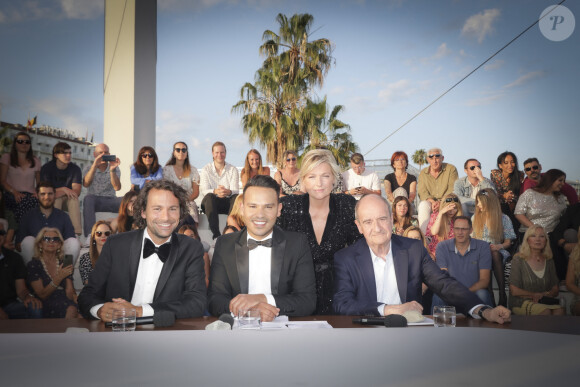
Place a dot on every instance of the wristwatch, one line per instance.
(480, 311)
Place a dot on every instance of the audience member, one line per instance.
(435, 181)
(100, 232)
(573, 278)
(191, 231)
(402, 218)
(382, 274)
(441, 223)
(253, 167)
(533, 279)
(533, 169)
(19, 174)
(277, 276)
(508, 180)
(181, 172)
(220, 184)
(235, 218)
(145, 169)
(357, 180)
(228, 229)
(467, 260)
(52, 281)
(9, 223)
(15, 300)
(326, 218)
(400, 182)
(467, 187)
(125, 219)
(66, 177)
(495, 228)
(565, 232)
(102, 180)
(46, 215)
(289, 176)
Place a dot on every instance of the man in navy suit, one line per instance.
(382, 273)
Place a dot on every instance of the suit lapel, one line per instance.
(134, 258)
(243, 261)
(167, 266)
(401, 262)
(277, 258)
(365, 262)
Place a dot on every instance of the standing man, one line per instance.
(467, 260)
(358, 181)
(66, 177)
(382, 274)
(219, 186)
(46, 215)
(149, 269)
(467, 187)
(102, 178)
(533, 170)
(435, 181)
(263, 266)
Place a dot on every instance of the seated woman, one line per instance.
(124, 220)
(235, 217)
(508, 180)
(289, 176)
(50, 281)
(533, 280)
(99, 234)
(253, 166)
(402, 218)
(414, 232)
(400, 180)
(146, 168)
(191, 231)
(179, 171)
(494, 227)
(440, 225)
(573, 278)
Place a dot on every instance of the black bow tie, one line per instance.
(252, 243)
(161, 251)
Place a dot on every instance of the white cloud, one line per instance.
(480, 25)
(397, 91)
(525, 79)
(82, 9)
(441, 52)
(28, 10)
(72, 114)
(496, 64)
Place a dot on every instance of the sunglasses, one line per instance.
(182, 150)
(51, 239)
(449, 200)
(291, 159)
(28, 142)
(100, 233)
(435, 155)
(528, 169)
(147, 155)
(475, 166)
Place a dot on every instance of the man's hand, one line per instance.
(402, 308)
(499, 314)
(114, 164)
(127, 305)
(68, 192)
(243, 302)
(267, 312)
(222, 192)
(34, 302)
(434, 205)
(479, 174)
(3, 315)
(105, 313)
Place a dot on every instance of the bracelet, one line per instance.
(53, 285)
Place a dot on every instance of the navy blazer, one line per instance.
(356, 292)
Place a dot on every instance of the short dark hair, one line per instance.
(166, 185)
(531, 160)
(357, 158)
(467, 162)
(467, 218)
(263, 181)
(59, 148)
(45, 184)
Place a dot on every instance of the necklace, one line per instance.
(47, 272)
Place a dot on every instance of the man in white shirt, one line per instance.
(219, 187)
(262, 267)
(358, 181)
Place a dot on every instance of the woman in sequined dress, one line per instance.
(325, 218)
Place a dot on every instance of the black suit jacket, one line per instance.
(292, 272)
(181, 285)
(356, 291)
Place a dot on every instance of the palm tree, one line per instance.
(419, 157)
(5, 140)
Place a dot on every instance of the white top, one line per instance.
(185, 182)
(210, 179)
(366, 179)
(259, 272)
(385, 280)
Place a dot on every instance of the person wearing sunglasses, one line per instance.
(145, 169)
(289, 177)
(440, 225)
(100, 232)
(533, 171)
(66, 177)
(19, 174)
(358, 181)
(253, 167)
(466, 188)
(181, 172)
(435, 181)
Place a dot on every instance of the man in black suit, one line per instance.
(149, 269)
(382, 273)
(262, 267)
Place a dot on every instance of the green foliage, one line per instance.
(419, 157)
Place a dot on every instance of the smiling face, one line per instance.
(179, 154)
(46, 197)
(538, 239)
(557, 185)
(533, 170)
(508, 165)
(161, 214)
(50, 242)
(254, 160)
(260, 208)
(319, 182)
(219, 154)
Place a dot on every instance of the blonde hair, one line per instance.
(247, 170)
(235, 212)
(490, 216)
(418, 229)
(575, 257)
(445, 219)
(38, 240)
(525, 250)
(315, 158)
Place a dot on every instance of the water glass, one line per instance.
(124, 320)
(444, 316)
(249, 319)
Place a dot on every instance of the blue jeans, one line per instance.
(17, 310)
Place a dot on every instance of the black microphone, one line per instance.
(224, 323)
(390, 321)
(162, 318)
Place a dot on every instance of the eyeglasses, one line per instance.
(462, 229)
(147, 155)
(28, 142)
(401, 159)
(65, 153)
(528, 169)
(51, 239)
(182, 150)
(100, 233)
(291, 159)
(437, 155)
(449, 200)
(475, 166)
(484, 193)
(2, 232)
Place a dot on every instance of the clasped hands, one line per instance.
(105, 313)
(243, 302)
(222, 192)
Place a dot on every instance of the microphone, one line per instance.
(162, 318)
(224, 323)
(390, 321)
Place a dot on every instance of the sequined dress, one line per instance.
(340, 231)
(541, 209)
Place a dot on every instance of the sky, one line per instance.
(392, 59)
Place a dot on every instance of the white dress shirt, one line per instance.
(210, 179)
(367, 179)
(260, 271)
(385, 280)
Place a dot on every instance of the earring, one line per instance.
(40, 249)
(94, 243)
(58, 251)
